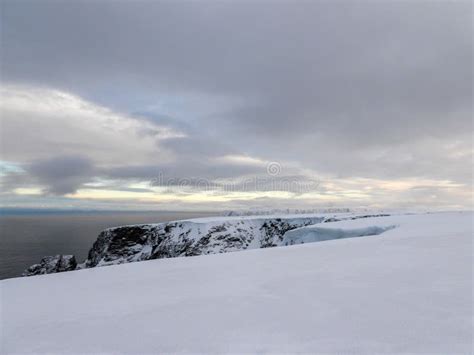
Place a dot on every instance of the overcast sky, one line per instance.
(236, 104)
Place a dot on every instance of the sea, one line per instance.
(26, 236)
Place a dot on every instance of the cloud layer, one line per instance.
(357, 95)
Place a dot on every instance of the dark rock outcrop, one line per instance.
(52, 264)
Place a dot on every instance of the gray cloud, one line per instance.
(347, 89)
(62, 175)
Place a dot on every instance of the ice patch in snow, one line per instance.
(318, 234)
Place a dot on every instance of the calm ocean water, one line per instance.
(27, 237)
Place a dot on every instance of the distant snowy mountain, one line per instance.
(287, 211)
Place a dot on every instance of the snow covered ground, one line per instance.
(408, 290)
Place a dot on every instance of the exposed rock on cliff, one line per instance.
(182, 238)
(52, 264)
(188, 238)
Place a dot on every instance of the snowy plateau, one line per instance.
(313, 284)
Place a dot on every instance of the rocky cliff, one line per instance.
(181, 238)
(188, 238)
